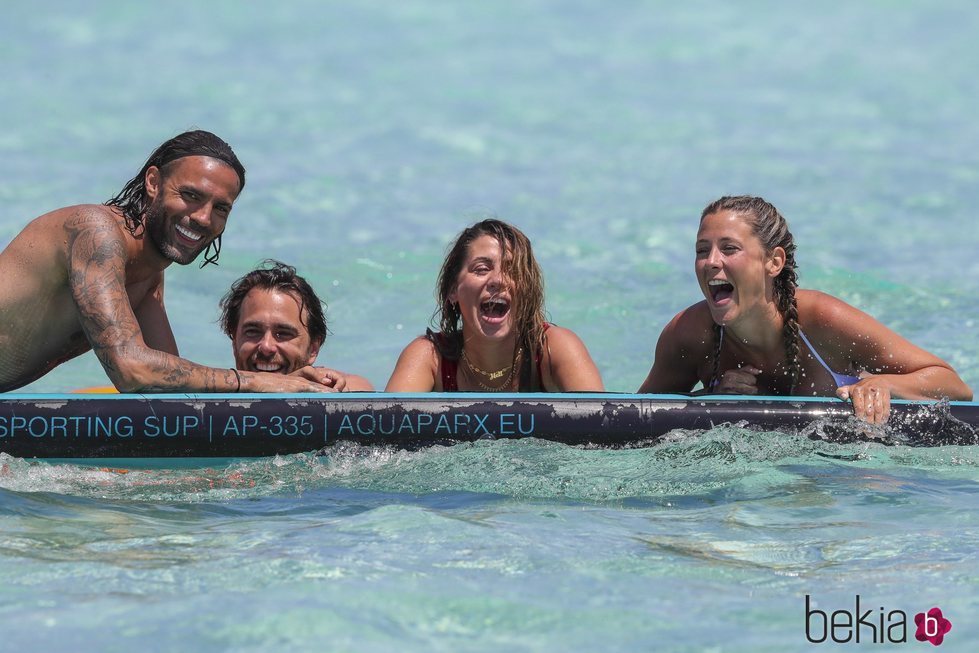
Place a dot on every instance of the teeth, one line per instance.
(187, 233)
(267, 367)
(496, 300)
(718, 282)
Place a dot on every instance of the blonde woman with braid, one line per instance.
(755, 333)
(493, 336)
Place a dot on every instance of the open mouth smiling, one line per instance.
(263, 366)
(720, 290)
(495, 308)
(188, 234)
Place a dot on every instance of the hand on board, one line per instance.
(335, 381)
(741, 381)
(871, 398)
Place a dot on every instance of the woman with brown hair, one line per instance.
(493, 335)
(756, 333)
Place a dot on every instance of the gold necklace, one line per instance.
(492, 375)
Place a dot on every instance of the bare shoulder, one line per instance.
(562, 338)
(563, 345)
(93, 231)
(78, 216)
(821, 308)
(690, 330)
(39, 256)
(76, 212)
(55, 230)
(683, 347)
(568, 367)
(821, 313)
(852, 337)
(837, 327)
(420, 348)
(416, 369)
(88, 211)
(83, 217)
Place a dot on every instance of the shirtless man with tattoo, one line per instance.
(91, 277)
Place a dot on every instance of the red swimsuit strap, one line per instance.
(450, 367)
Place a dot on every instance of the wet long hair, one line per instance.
(275, 275)
(132, 199)
(521, 274)
(768, 225)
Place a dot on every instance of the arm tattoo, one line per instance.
(97, 259)
(97, 277)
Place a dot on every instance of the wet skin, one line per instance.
(484, 295)
(76, 279)
(271, 334)
(735, 272)
(736, 276)
(272, 337)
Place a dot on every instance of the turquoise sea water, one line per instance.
(372, 133)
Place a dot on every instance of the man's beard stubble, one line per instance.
(156, 222)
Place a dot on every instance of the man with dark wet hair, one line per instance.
(91, 277)
(276, 324)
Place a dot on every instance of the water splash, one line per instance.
(681, 464)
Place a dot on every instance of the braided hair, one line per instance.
(768, 225)
(132, 199)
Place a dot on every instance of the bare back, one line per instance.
(40, 326)
(77, 279)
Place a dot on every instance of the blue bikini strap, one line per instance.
(840, 379)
